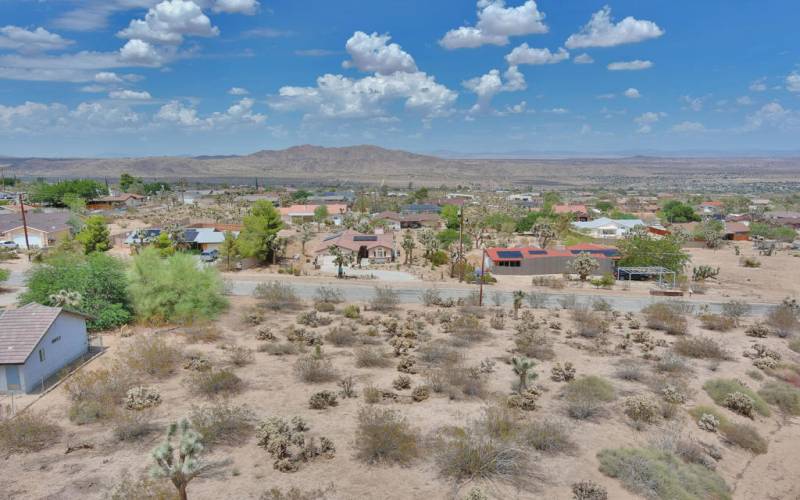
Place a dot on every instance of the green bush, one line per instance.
(384, 436)
(666, 317)
(215, 383)
(100, 280)
(744, 436)
(174, 289)
(656, 474)
(586, 395)
(700, 347)
(784, 396)
(719, 389)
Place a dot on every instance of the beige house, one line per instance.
(44, 229)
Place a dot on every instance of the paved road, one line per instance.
(361, 292)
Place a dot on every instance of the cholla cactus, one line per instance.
(66, 298)
(563, 373)
(184, 467)
(641, 408)
(139, 398)
(708, 422)
(589, 490)
(740, 403)
(525, 400)
(420, 393)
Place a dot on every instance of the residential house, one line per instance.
(44, 229)
(578, 212)
(736, 231)
(36, 342)
(410, 221)
(120, 201)
(301, 214)
(710, 209)
(376, 248)
(346, 197)
(607, 228)
(422, 208)
(532, 261)
(783, 218)
(205, 238)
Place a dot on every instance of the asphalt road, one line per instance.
(411, 294)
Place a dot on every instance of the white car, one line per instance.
(10, 245)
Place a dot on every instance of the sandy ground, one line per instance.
(272, 389)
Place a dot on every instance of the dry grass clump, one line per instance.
(385, 299)
(588, 323)
(277, 296)
(533, 344)
(206, 334)
(586, 395)
(457, 380)
(95, 394)
(372, 357)
(281, 348)
(29, 431)
(630, 370)
(657, 474)
(132, 426)
(342, 336)
(717, 322)
(783, 395)
(384, 436)
(742, 435)
(222, 423)
(240, 355)
(151, 355)
(672, 363)
(152, 489)
(437, 352)
(666, 317)
(298, 494)
(701, 348)
(315, 369)
(548, 436)
(215, 383)
(734, 395)
(465, 330)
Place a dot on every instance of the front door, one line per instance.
(12, 378)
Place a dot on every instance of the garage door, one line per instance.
(34, 240)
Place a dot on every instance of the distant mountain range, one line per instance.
(372, 164)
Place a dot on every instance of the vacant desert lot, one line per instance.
(271, 387)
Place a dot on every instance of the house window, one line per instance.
(509, 263)
(41, 355)
(379, 253)
(55, 339)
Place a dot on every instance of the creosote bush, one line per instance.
(384, 436)
(29, 431)
(277, 296)
(314, 370)
(215, 383)
(721, 389)
(151, 355)
(548, 436)
(700, 347)
(667, 317)
(784, 396)
(586, 395)
(371, 357)
(385, 298)
(222, 423)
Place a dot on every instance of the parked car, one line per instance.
(209, 255)
(8, 245)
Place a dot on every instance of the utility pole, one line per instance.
(24, 225)
(483, 263)
(461, 246)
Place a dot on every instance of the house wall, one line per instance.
(547, 265)
(74, 343)
(36, 238)
(3, 386)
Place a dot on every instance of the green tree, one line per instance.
(639, 249)
(604, 205)
(182, 464)
(164, 244)
(551, 198)
(320, 215)
(452, 216)
(408, 245)
(99, 278)
(583, 265)
(95, 236)
(125, 181)
(229, 251)
(5, 274)
(174, 289)
(300, 195)
(677, 211)
(449, 237)
(526, 223)
(260, 234)
(55, 193)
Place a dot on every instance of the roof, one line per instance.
(22, 329)
(46, 222)
(420, 207)
(521, 253)
(605, 221)
(292, 210)
(736, 227)
(711, 204)
(120, 197)
(570, 209)
(421, 217)
(353, 241)
(204, 235)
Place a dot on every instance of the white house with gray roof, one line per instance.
(36, 342)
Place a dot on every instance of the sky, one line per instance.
(197, 77)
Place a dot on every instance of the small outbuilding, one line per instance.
(36, 342)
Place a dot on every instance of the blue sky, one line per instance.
(142, 77)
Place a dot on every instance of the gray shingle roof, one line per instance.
(21, 329)
(48, 222)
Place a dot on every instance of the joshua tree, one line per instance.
(306, 234)
(184, 467)
(340, 259)
(583, 265)
(519, 296)
(523, 368)
(408, 246)
(544, 232)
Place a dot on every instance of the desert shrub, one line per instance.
(641, 409)
(420, 393)
(313, 319)
(666, 317)
(402, 382)
(314, 370)
(205, 333)
(588, 490)
(139, 398)
(289, 444)
(328, 295)
(456, 380)
(466, 329)
(297, 494)
(240, 355)
(152, 489)
(535, 345)
(436, 353)
(586, 395)
(385, 298)
(736, 309)
(672, 363)
(536, 300)
(744, 436)
(322, 399)
(749, 262)
(280, 349)
(215, 383)
(277, 296)
(351, 311)
(431, 297)
(384, 436)
(630, 371)
(657, 474)
(222, 423)
(758, 330)
(29, 431)
(720, 389)
(717, 322)
(784, 396)
(342, 336)
(471, 456)
(701, 348)
(783, 319)
(372, 357)
(151, 355)
(132, 425)
(175, 289)
(548, 436)
(372, 395)
(708, 422)
(588, 323)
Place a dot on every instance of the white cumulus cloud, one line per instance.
(688, 127)
(247, 7)
(238, 91)
(169, 22)
(635, 65)
(130, 95)
(601, 31)
(486, 86)
(31, 41)
(583, 59)
(793, 82)
(524, 54)
(632, 93)
(374, 54)
(496, 23)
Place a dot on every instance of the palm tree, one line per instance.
(523, 369)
